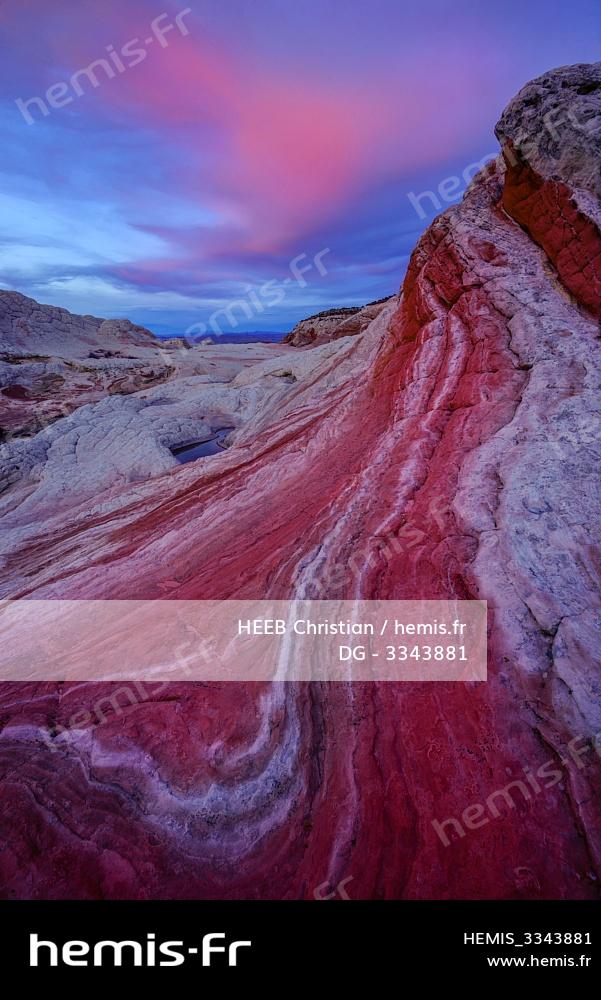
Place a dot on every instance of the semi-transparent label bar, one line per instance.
(243, 640)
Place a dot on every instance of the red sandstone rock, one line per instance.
(552, 145)
(450, 450)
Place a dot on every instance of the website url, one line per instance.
(544, 961)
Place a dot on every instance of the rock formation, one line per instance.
(334, 324)
(552, 146)
(52, 362)
(451, 449)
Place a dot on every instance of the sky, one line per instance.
(209, 166)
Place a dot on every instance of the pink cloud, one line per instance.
(271, 151)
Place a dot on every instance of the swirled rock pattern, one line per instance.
(449, 450)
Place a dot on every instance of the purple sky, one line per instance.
(211, 155)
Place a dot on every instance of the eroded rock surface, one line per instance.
(449, 450)
(53, 362)
(334, 324)
(551, 139)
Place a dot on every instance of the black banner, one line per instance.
(300, 942)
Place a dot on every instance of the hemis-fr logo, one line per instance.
(214, 949)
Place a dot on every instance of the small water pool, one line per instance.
(202, 449)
